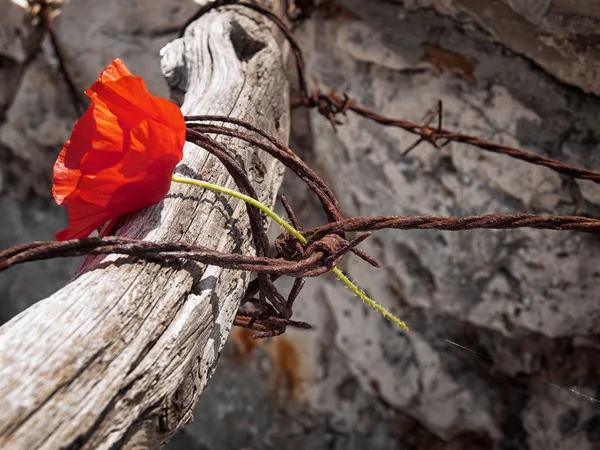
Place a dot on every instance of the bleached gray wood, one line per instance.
(118, 357)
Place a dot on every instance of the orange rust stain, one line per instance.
(443, 59)
(285, 372)
(244, 344)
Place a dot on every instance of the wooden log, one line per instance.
(119, 356)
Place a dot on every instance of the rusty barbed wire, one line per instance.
(289, 247)
(328, 244)
(164, 252)
(318, 256)
(261, 241)
(486, 221)
(336, 246)
(332, 104)
(270, 302)
(285, 155)
(325, 249)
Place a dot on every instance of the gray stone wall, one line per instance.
(523, 303)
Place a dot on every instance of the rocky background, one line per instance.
(504, 351)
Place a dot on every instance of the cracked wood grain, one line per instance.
(119, 356)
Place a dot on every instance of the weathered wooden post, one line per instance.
(119, 356)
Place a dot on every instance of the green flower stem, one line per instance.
(359, 292)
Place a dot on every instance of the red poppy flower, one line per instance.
(121, 154)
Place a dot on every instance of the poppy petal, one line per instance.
(121, 154)
(65, 179)
(83, 219)
(131, 95)
(113, 72)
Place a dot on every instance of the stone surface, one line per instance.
(532, 10)
(521, 298)
(19, 37)
(135, 31)
(519, 306)
(35, 120)
(27, 218)
(10, 75)
(37, 124)
(559, 35)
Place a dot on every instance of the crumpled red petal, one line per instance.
(121, 154)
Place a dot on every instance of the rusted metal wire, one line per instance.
(289, 247)
(332, 104)
(266, 325)
(320, 252)
(487, 221)
(261, 241)
(165, 252)
(285, 155)
(328, 244)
